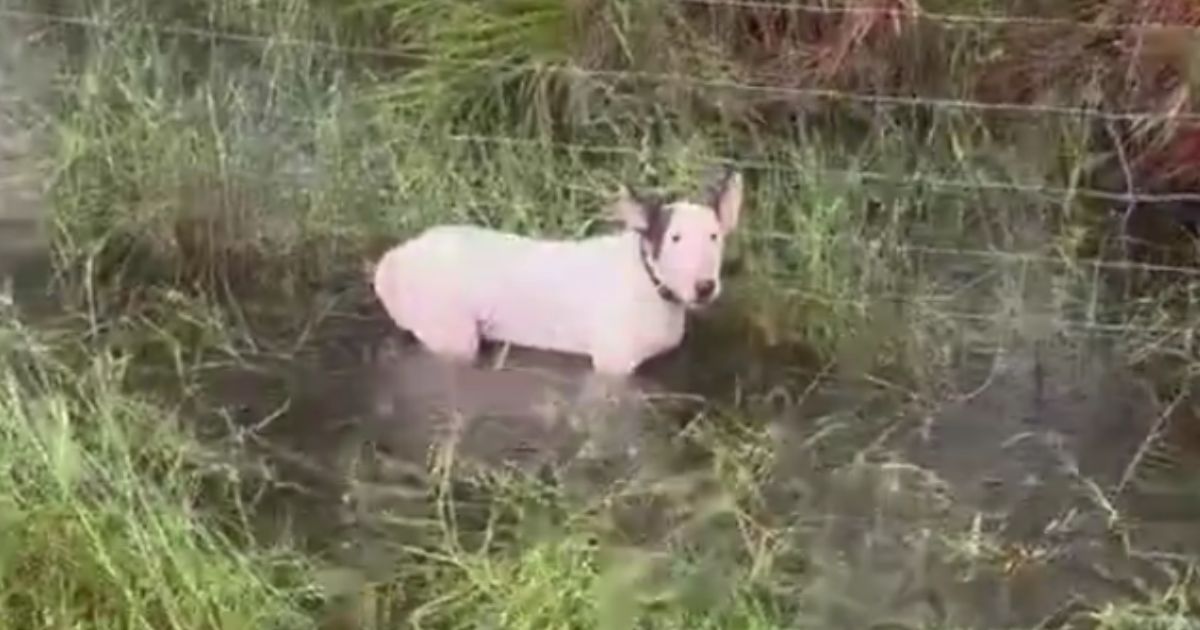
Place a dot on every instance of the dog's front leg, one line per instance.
(599, 405)
(603, 391)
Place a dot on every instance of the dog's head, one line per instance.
(683, 240)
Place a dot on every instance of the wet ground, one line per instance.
(1042, 462)
(1046, 473)
(1046, 478)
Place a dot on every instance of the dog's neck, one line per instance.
(662, 289)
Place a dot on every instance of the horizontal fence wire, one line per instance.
(267, 41)
(960, 20)
(937, 183)
(966, 186)
(958, 185)
(1025, 258)
(999, 316)
(949, 19)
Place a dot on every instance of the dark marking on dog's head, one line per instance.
(720, 182)
(658, 219)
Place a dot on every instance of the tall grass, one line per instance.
(289, 165)
(211, 193)
(100, 503)
(111, 522)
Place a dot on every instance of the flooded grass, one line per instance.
(102, 525)
(912, 409)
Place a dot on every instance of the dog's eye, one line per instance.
(675, 238)
(713, 237)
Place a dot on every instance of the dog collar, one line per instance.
(664, 291)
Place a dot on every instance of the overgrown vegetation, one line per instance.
(222, 168)
(101, 519)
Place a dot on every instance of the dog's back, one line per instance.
(517, 288)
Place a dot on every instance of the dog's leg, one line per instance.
(606, 390)
(611, 370)
(453, 338)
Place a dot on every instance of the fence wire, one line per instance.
(895, 101)
(955, 185)
(948, 19)
(961, 185)
(998, 317)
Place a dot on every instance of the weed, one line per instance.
(100, 508)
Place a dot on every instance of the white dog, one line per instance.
(619, 298)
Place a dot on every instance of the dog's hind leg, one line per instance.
(458, 342)
(453, 340)
(445, 330)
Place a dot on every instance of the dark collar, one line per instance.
(664, 291)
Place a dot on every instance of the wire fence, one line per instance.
(966, 186)
(270, 41)
(1004, 318)
(631, 75)
(948, 19)
(940, 183)
(954, 20)
(1057, 192)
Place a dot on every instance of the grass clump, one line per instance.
(663, 551)
(100, 505)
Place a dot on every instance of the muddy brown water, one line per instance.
(1041, 458)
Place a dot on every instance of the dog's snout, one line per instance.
(705, 289)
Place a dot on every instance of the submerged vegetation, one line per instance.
(929, 204)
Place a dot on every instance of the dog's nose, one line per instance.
(705, 289)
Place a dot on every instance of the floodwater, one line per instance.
(1041, 454)
(1059, 477)
(1046, 479)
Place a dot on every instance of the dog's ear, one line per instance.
(630, 210)
(726, 198)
